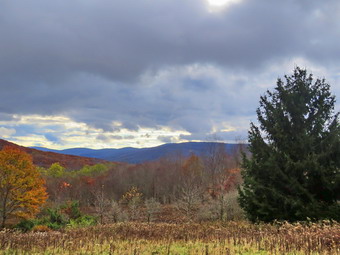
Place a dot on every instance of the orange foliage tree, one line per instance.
(22, 189)
(192, 171)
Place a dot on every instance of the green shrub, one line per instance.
(55, 219)
(26, 225)
(72, 209)
(55, 216)
(54, 225)
(83, 221)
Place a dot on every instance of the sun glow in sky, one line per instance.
(221, 3)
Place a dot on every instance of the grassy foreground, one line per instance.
(160, 238)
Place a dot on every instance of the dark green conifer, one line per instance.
(293, 171)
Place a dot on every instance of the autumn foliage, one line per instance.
(46, 158)
(22, 189)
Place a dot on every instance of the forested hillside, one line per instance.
(46, 158)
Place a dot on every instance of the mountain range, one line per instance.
(140, 155)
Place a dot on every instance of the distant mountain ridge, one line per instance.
(140, 155)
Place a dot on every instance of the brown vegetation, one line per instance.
(143, 238)
(175, 205)
(199, 187)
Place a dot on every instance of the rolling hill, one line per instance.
(46, 158)
(140, 155)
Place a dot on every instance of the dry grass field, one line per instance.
(192, 238)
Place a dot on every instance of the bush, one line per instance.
(26, 225)
(116, 213)
(72, 209)
(41, 228)
(233, 209)
(54, 225)
(83, 221)
(55, 219)
(224, 207)
(55, 216)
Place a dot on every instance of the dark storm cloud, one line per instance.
(49, 40)
(103, 61)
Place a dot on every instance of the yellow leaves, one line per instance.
(22, 188)
(133, 193)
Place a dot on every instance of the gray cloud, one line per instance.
(165, 139)
(53, 138)
(158, 63)
(5, 116)
(108, 138)
(48, 41)
(104, 138)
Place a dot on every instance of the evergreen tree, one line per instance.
(293, 173)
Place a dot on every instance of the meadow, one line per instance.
(234, 237)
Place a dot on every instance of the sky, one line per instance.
(140, 73)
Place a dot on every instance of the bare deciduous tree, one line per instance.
(152, 208)
(189, 200)
(101, 204)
